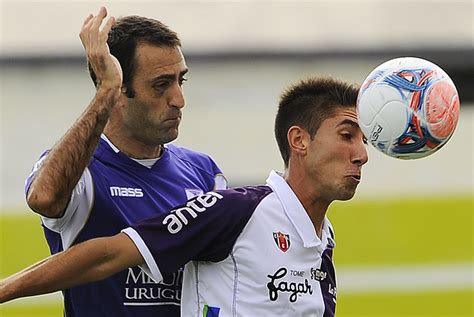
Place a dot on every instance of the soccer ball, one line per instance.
(408, 108)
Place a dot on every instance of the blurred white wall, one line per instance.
(52, 27)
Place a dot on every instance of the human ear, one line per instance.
(298, 140)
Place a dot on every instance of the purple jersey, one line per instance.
(126, 192)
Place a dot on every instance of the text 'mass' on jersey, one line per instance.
(250, 251)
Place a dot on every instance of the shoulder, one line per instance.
(245, 195)
(227, 200)
(224, 208)
(194, 158)
(238, 202)
(187, 154)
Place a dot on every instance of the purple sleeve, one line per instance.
(204, 229)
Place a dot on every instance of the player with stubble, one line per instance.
(263, 250)
(113, 167)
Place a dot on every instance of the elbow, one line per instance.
(44, 203)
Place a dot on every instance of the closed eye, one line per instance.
(160, 85)
(347, 136)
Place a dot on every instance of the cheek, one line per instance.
(327, 159)
(326, 151)
(147, 110)
(136, 111)
(317, 161)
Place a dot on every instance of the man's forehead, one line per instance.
(159, 58)
(344, 115)
(345, 112)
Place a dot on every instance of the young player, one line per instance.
(250, 251)
(112, 168)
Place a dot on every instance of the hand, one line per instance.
(94, 39)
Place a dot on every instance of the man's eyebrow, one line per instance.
(170, 76)
(349, 122)
(354, 124)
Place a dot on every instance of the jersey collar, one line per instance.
(148, 163)
(112, 146)
(296, 212)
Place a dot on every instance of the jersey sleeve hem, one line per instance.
(149, 267)
(220, 182)
(76, 213)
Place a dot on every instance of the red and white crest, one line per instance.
(282, 240)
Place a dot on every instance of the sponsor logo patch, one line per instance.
(179, 218)
(277, 285)
(141, 290)
(125, 191)
(318, 275)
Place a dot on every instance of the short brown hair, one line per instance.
(307, 104)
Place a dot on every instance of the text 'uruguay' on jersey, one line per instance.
(125, 191)
(178, 217)
(142, 290)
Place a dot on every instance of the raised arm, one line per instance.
(54, 182)
(87, 262)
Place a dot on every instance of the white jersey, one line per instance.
(250, 251)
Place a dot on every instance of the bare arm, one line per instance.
(87, 262)
(54, 182)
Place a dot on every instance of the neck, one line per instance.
(133, 148)
(314, 205)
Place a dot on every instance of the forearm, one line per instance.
(53, 184)
(87, 262)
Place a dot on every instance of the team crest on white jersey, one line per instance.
(282, 240)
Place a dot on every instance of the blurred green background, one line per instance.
(369, 233)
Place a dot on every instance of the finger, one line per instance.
(97, 21)
(102, 12)
(88, 18)
(92, 33)
(87, 24)
(108, 26)
(85, 31)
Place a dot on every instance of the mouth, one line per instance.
(354, 177)
(175, 119)
(173, 115)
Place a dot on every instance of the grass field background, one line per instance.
(369, 233)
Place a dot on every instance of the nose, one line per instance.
(360, 155)
(176, 96)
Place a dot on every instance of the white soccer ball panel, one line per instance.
(382, 113)
(396, 116)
